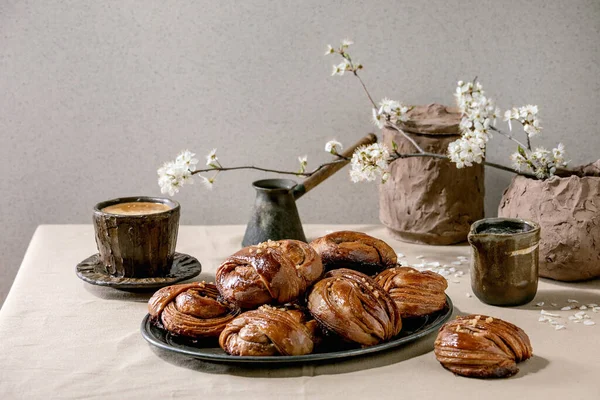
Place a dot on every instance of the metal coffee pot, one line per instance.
(275, 215)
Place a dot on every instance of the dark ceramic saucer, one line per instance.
(92, 271)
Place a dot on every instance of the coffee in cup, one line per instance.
(136, 236)
(136, 208)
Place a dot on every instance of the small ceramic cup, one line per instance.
(136, 236)
(504, 268)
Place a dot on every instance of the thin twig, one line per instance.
(511, 137)
(504, 168)
(342, 159)
(393, 126)
(219, 169)
(341, 156)
(365, 89)
(398, 155)
(411, 140)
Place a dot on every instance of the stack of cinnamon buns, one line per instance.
(288, 297)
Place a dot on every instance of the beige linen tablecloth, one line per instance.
(63, 338)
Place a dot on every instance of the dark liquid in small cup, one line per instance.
(136, 208)
(501, 230)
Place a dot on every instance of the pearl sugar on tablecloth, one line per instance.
(579, 317)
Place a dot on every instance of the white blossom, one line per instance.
(541, 162)
(385, 176)
(337, 70)
(472, 151)
(454, 153)
(378, 118)
(172, 176)
(187, 159)
(393, 110)
(333, 146)
(478, 114)
(208, 182)
(168, 186)
(341, 68)
(527, 116)
(386, 105)
(467, 94)
(540, 154)
(533, 128)
(369, 162)
(303, 161)
(519, 162)
(464, 152)
(347, 64)
(212, 159)
(559, 154)
(401, 113)
(355, 175)
(508, 117)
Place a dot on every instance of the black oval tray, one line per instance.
(412, 330)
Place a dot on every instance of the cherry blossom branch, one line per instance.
(252, 167)
(354, 69)
(389, 124)
(398, 155)
(477, 112)
(349, 65)
(423, 153)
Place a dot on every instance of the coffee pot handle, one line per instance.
(325, 172)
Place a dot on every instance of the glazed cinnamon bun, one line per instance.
(269, 331)
(482, 347)
(268, 273)
(193, 310)
(416, 293)
(355, 307)
(354, 250)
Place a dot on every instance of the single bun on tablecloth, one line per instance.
(482, 347)
(191, 309)
(353, 306)
(268, 273)
(354, 250)
(416, 293)
(270, 331)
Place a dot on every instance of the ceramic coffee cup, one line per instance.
(136, 236)
(504, 269)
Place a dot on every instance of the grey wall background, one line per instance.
(95, 95)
